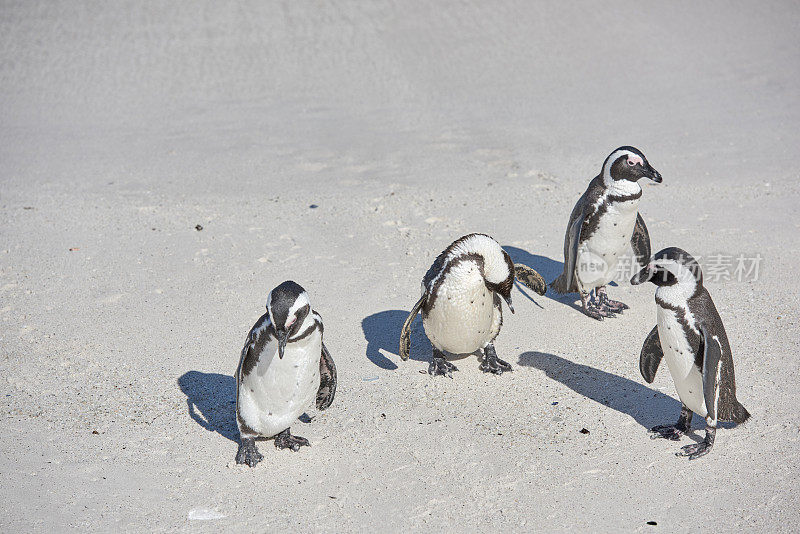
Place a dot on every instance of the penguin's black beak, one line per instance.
(653, 174)
(643, 276)
(282, 337)
(507, 298)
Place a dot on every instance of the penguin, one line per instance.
(461, 307)
(284, 366)
(602, 225)
(691, 338)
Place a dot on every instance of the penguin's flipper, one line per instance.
(530, 278)
(712, 370)
(651, 356)
(572, 259)
(327, 380)
(405, 333)
(256, 336)
(640, 241)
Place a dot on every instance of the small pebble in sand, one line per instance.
(584, 430)
(199, 227)
(313, 206)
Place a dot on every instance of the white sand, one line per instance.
(125, 125)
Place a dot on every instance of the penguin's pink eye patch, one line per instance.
(634, 159)
(291, 321)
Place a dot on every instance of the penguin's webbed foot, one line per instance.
(597, 312)
(671, 432)
(285, 440)
(441, 367)
(606, 303)
(614, 305)
(695, 450)
(494, 366)
(248, 453)
(491, 363)
(592, 309)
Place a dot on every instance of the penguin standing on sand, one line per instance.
(284, 367)
(460, 303)
(603, 225)
(691, 338)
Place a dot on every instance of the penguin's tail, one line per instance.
(559, 285)
(739, 414)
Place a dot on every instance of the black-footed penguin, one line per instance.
(691, 338)
(284, 367)
(603, 224)
(460, 303)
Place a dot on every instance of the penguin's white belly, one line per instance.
(278, 391)
(463, 318)
(599, 255)
(680, 361)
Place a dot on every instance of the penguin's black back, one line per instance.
(729, 409)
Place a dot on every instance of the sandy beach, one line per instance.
(163, 165)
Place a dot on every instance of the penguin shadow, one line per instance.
(211, 401)
(382, 332)
(549, 269)
(647, 406)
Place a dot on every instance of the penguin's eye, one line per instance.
(631, 162)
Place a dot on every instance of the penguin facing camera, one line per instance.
(691, 338)
(283, 369)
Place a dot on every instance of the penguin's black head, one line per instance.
(669, 267)
(628, 163)
(287, 306)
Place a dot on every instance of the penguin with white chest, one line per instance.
(460, 303)
(603, 226)
(283, 369)
(691, 338)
